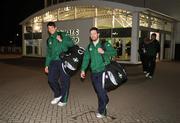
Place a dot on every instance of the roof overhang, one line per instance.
(95, 3)
(162, 15)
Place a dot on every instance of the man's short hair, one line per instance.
(51, 24)
(154, 34)
(94, 28)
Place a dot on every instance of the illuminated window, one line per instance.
(104, 22)
(66, 13)
(167, 26)
(157, 23)
(37, 27)
(104, 12)
(37, 19)
(144, 20)
(50, 16)
(85, 12)
(122, 21)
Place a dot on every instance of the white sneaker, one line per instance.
(147, 74)
(106, 106)
(98, 115)
(55, 100)
(61, 104)
(150, 77)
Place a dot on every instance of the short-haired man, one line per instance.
(152, 48)
(94, 54)
(57, 43)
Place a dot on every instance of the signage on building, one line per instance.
(74, 33)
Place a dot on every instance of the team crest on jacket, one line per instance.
(50, 43)
(90, 49)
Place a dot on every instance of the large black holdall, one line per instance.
(72, 59)
(113, 76)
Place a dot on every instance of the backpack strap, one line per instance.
(103, 46)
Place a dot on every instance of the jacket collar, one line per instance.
(54, 35)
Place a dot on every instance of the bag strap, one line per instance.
(104, 48)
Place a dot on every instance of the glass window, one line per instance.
(27, 27)
(168, 26)
(33, 27)
(122, 21)
(104, 22)
(157, 23)
(121, 11)
(85, 12)
(37, 27)
(66, 13)
(50, 16)
(144, 20)
(37, 19)
(104, 12)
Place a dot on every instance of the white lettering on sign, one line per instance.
(74, 33)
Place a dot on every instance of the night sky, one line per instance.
(12, 13)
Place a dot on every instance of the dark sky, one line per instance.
(12, 13)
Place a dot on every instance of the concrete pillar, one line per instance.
(161, 46)
(135, 38)
(173, 39)
(23, 41)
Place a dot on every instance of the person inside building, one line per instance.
(119, 48)
(94, 53)
(57, 43)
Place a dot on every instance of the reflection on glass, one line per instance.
(157, 23)
(167, 26)
(37, 27)
(85, 12)
(104, 23)
(123, 48)
(37, 19)
(104, 12)
(50, 16)
(122, 21)
(66, 13)
(144, 20)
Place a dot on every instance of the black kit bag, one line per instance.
(114, 74)
(72, 59)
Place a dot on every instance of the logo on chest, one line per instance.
(90, 49)
(50, 43)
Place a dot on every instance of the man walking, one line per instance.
(152, 48)
(94, 54)
(57, 43)
(143, 53)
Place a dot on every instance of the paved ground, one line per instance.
(25, 96)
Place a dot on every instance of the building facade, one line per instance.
(124, 26)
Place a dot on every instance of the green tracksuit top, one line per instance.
(55, 47)
(91, 54)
